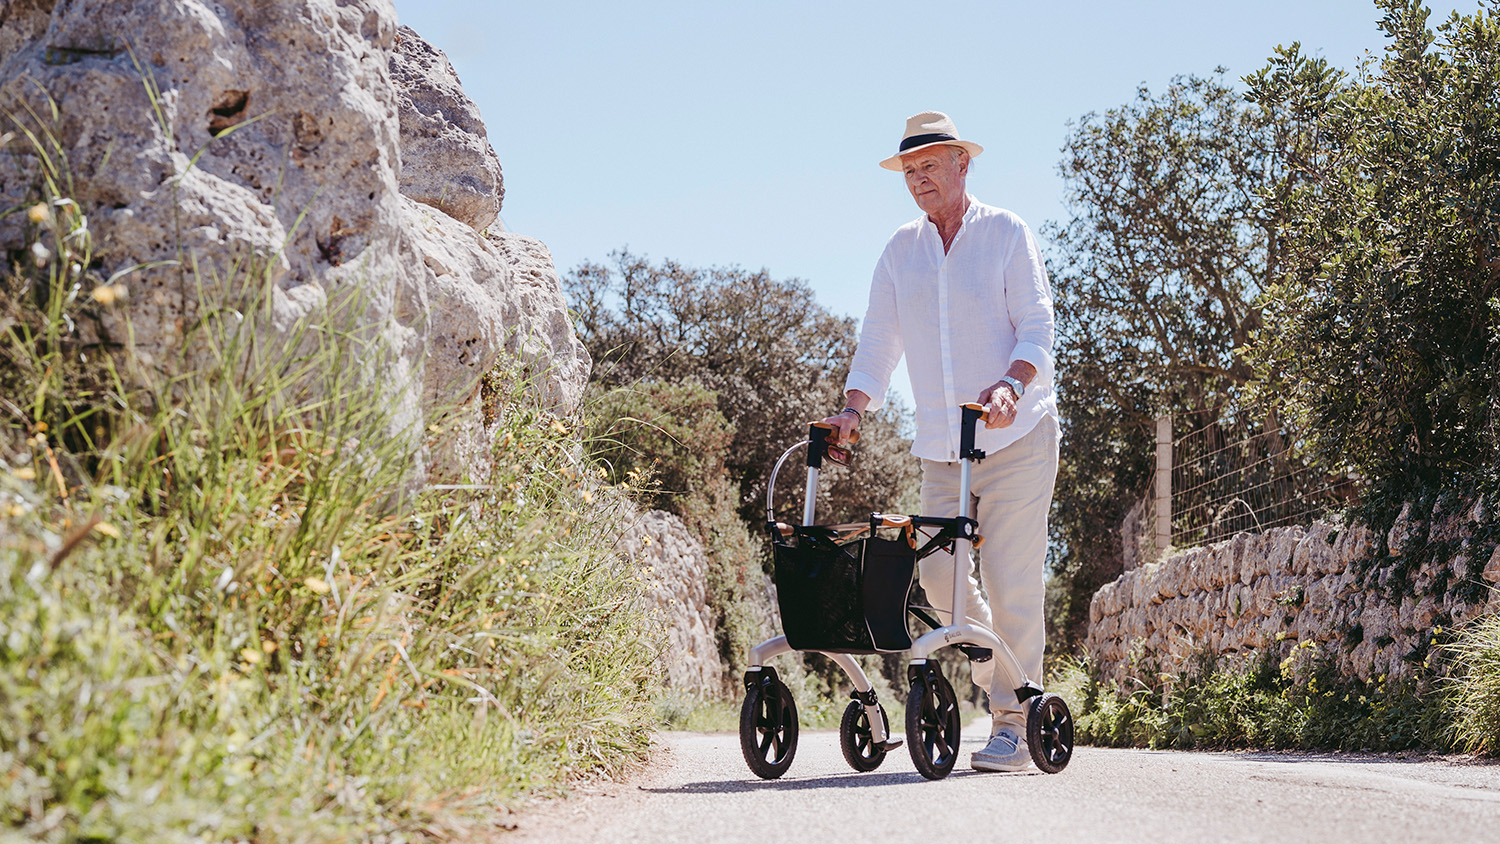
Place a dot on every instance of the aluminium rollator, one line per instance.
(845, 589)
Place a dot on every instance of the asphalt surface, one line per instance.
(698, 789)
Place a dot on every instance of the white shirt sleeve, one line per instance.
(1028, 298)
(880, 344)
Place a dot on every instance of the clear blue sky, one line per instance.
(748, 133)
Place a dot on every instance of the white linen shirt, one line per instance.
(961, 319)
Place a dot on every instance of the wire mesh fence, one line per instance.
(1233, 469)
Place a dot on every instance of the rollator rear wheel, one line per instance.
(768, 727)
(1049, 732)
(932, 725)
(858, 740)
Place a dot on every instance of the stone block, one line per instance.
(446, 158)
(1355, 542)
(1403, 533)
(1279, 548)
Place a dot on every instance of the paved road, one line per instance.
(698, 790)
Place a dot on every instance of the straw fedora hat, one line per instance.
(928, 129)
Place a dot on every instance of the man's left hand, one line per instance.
(999, 400)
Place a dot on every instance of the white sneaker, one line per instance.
(1005, 752)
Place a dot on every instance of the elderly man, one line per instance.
(962, 292)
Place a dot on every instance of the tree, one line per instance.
(772, 356)
(1386, 306)
(1157, 273)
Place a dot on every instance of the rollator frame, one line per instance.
(766, 728)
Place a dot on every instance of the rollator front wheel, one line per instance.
(768, 727)
(857, 739)
(1049, 732)
(932, 724)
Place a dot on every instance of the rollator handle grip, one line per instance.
(821, 444)
(969, 415)
(826, 428)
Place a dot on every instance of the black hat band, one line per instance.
(923, 140)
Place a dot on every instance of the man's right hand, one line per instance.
(846, 421)
(844, 425)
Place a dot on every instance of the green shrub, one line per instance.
(669, 432)
(1301, 702)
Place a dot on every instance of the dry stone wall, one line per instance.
(1370, 601)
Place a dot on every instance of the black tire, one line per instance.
(932, 726)
(768, 729)
(1049, 732)
(857, 739)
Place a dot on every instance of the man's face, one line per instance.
(935, 176)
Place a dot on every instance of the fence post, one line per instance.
(1163, 482)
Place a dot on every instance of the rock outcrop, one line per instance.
(676, 571)
(1321, 587)
(231, 150)
(446, 158)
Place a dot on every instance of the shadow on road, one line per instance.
(838, 781)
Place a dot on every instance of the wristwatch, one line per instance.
(1015, 384)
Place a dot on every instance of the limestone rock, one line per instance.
(542, 332)
(446, 158)
(262, 142)
(1354, 542)
(676, 571)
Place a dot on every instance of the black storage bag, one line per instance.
(843, 598)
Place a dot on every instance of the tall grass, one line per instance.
(227, 611)
(1474, 689)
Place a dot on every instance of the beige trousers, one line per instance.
(1012, 490)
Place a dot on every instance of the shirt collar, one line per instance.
(969, 214)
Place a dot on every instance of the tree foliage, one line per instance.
(1157, 272)
(1386, 316)
(1168, 246)
(772, 357)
